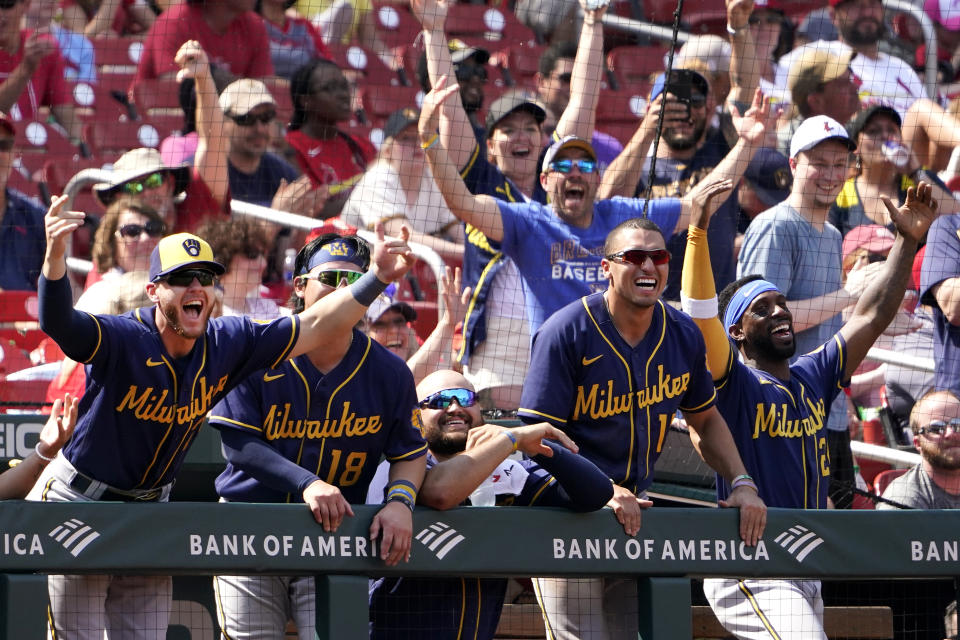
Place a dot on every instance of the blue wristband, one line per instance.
(367, 288)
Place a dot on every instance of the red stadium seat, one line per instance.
(38, 142)
(621, 106)
(280, 90)
(117, 55)
(19, 306)
(98, 102)
(380, 102)
(396, 26)
(157, 97)
(633, 65)
(884, 478)
(357, 58)
(520, 63)
(498, 28)
(111, 140)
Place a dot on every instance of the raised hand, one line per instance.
(454, 301)
(433, 102)
(700, 201)
(58, 226)
(759, 119)
(593, 10)
(738, 13)
(59, 427)
(916, 214)
(192, 60)
(391, 258)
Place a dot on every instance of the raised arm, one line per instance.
(698, 294)
(625, 172)
(745, 68)
(478, 210)
(331, 317)
(882, 298)
(436, 351)
(452, 481)
(456, 133)
(16, 483)
(579, 117)
(212, 142)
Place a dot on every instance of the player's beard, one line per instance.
(764, 348)
(172, 313)
(448, 443)
(857, 34)
(684, 142)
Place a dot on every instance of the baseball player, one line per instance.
(152, 376)
(778, 411)
(314, 429)
(611, 370)
(553, 475)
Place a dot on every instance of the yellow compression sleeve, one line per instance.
(697, 283)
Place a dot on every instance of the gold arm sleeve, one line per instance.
(697, 283)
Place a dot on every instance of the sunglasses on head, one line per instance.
(333, 277)
(250, 119)
(466, 71)
(444, 398)
(566, 166)
(152, 181)
(939, 427)
(153, 228)
(186, 277)
(639, 256)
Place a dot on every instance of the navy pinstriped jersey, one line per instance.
(335, 425)
(142, 408)
(780, 426)
(616, 402)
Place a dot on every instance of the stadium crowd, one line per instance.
(582, 187)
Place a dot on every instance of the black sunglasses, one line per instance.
(639, 256)
(445, 397)
(186, 277)
(939, 427)
(153, 228)
(466, 71)
(249, 119)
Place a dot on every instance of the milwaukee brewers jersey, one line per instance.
(142, 408)
(335, 425)
(616, 402)
(780, 426)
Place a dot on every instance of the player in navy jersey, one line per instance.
(778, 411)
(611, 370)
(313, 430)
(553, 476)
(152, 376)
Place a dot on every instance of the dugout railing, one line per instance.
(673, 546)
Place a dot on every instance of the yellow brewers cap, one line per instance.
(182, 251)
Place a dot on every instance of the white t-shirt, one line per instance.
(886, 80)
(379, 196)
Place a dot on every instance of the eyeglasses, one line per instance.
(564, 77)
(566, 166)
(445, 397)
(153, 228)
(939, 427)
(466, 71)
(152, 181)
(6, 144)
(333, 277)
(185, 278)
(638, 257)
(250, 119)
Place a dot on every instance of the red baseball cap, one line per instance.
(872, 237)
(772, 5)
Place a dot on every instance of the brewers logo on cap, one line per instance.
(182, 251)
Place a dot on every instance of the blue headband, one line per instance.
(339, 250)
(742, 299)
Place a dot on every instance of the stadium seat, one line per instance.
(520, 63)
(396, 26)
(633, 65)
(884, 478)
(19, 306)
(480, 23)
(379, 102)
(38, 142)
(117, 55)
(280, 90)
(357, 58)
(111, 140)
(157, 97)
(100, 102)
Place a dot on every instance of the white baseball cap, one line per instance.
(815, 130)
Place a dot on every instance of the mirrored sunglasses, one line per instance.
(333, 277)
(444, 398)
(152, 181)
(566, 166)
(939, 427)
